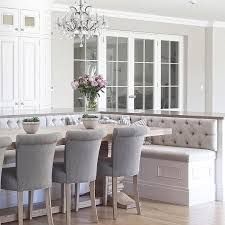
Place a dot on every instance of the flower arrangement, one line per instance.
(90, 86)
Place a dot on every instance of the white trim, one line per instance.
(140, 16)
(218, 24)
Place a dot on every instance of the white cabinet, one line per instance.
(9, 96)
(20, 20)
(29, 72)
(19, 72)
(29, 21)
(9, 20)
(45, 73)
(25, 58)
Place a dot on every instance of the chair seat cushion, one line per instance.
(177, 153)
(9, 180)
(59, 173)
(104, 167)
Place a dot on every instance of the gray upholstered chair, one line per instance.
(80, 164)
(33, 171)
(125, 161)
(4, 143)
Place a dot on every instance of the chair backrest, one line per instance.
(126, 150)
(4, 143)
(81, 155)
(34, 160)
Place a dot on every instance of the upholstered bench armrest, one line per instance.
(177, 153)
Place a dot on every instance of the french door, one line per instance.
(143, 71)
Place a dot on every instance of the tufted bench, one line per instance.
(178, 168)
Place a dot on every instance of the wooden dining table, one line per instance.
(61, 131)
(124, 201)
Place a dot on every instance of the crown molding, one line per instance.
(218, 24)
(140, 16)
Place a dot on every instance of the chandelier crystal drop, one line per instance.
(81, 22)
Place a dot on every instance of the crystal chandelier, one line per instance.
(81, 22)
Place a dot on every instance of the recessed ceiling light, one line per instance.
(193, 2)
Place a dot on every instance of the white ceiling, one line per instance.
(210, 10)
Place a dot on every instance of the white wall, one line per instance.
(194, 97)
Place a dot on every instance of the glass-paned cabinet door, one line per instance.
(116, 72)
(85, 62)
(30, 21)
(144, 73)
(170, 74)
(9, 21)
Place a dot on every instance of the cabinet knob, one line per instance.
(22, 29)
(22, 103)
(16, 29)
(16, 103)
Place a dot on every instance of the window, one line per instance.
(85, 62)
(117, 72)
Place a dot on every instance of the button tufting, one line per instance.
(199, 123)
(162, 121)
(174, 121)
(180, 132)
(174, 142)
(193, 133)
(206, 134)
(186, 122)
(186, 142)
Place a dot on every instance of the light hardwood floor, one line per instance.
(153, 213)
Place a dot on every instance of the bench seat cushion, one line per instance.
(177, 153)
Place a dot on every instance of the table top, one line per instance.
(61, 131)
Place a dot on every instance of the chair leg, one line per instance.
(77, 197)
(114, 197)
(30, 203)
(105, 191)
(20, 207)
(49, 206)
(68, 204)
(63, 198)
(136, 194)
(93, 204)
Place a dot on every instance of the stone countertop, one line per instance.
(166, 113)
(69, 111)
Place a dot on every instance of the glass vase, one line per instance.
(91, 104)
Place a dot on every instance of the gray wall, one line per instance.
(194, 97)
(218, 75)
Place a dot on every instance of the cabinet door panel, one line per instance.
(29, 21)
(45, 73)
(29, 72)
(8, 71)
(9, 20)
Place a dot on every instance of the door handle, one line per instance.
(132, 96)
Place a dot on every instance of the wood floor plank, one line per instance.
(153, 213)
